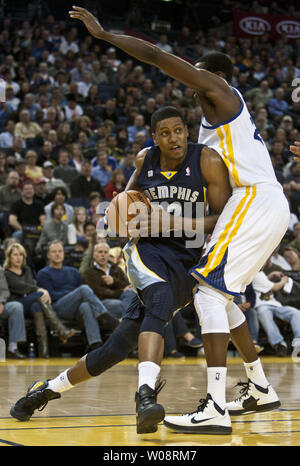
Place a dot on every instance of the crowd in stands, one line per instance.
(76, 114)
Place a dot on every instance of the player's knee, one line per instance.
(211, 310)
(152, 323)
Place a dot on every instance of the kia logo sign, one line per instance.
(289, 28)
(254, 25)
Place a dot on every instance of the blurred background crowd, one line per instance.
(76, 113)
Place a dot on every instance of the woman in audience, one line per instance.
(36, 301)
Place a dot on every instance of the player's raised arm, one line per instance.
(201, 80)
(296, 150)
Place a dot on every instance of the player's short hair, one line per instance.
(218, 61)
(162, 114)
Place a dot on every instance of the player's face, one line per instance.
(171, 137)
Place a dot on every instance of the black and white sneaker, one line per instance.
(253, 399)
(148, 412)
(209, 418)
(37, 397)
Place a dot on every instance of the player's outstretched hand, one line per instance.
(90, 21)
(296, 150)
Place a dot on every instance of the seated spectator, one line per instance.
(26, 128)
(26, 213)
(52, 182)
(54, 228)
(247, 304)
(117, 184)
(46, 154)
(178, 329)
(94, 201)
(279, 260)
(9, 193)
(127, 165)
(71, 299)
(102, 171)
(36, 301)
(87, 259)
(163, 43)
(59, 196)
(277, 106)
(76, 228)
(40, 191)
(292, 256)
(13, 312)
(17, 150)
(63, 170)
(108, 281)
(295, 243)
(7, 137)
(72, 110)
(3, 169)
(268, 307)
(85, 183)
(32, 170)
(139, 125)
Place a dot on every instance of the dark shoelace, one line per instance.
(243, 390)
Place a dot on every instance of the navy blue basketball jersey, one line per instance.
(181, 192)
(169, 258)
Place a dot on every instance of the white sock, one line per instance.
(148, 373)
(12, 346)
(216, 384)
(61, 383)
(255, 373)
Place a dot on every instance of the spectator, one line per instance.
(59, 196)
(76, 228)
(7, 137)
(72, 110)
(26, 213)
(64, 171)
(139, 125)
(292, 256)
(9, 193)
(295, 243)
(3, 169)
(108, 281)
(71, 299)
(32, 170)
(260, 95)
(53, 183)
(86, 183)
(13, 312)
(54, 228)
(127, 165)
(277, 106)
(40, 192)
(177, 328)
(268, 307)
(36, 301)
(26, 128)
(94, 201)
(117, 184)
(17, 149)
(102, 172)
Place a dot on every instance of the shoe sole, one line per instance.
(20, 416)
(256, 409)
(147, 423)
(216, 430)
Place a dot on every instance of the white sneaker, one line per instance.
(209, 418)
(296, 350)
(253, 399)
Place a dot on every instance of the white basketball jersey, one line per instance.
(241, 147)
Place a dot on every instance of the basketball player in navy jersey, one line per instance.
(245, 235)
(174, 173)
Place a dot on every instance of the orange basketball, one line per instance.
(123, 208)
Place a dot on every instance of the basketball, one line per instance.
(123, 208)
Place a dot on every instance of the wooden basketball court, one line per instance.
(101, 412)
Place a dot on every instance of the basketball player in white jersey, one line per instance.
(250, 227)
